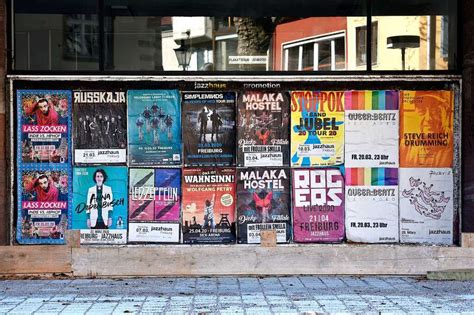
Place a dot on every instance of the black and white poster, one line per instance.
(100, 127)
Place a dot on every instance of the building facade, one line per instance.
(310, 131)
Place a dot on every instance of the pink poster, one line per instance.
(318, 205)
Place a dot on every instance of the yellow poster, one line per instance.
(426, 128)
(317, 128)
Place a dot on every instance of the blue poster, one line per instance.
(43, 204)
(44, 126)
(100, 204)
(43, 170)
(154, 127)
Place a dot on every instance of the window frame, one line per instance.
(331, 37)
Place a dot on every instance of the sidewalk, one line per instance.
(237, 295)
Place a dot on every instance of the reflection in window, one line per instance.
(361, 44)
(325, 53)
(56, 41)
(428, 56)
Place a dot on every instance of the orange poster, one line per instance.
(426, 128)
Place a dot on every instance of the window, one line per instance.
(271, 35)
(361, 44)
(325, 53)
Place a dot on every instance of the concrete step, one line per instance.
(451, 274)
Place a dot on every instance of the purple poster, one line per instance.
(318, 205)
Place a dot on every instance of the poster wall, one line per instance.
(44, 126)
(100, 127)
(372, 128)
(208, 205)
(317, 128)
(426, 205)
(372, 205)
(154, 127)
(43, 171)
(426, 128)
(209, 136)
(100, 204)
(154, 205)
(318, 205)
(262, 133)
(43, 205)
(263, 202)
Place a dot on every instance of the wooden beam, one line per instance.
(42, 259)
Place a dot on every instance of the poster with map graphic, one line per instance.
(154, 127)
(426, 129)
(426, 205)
(263, 203)
(372, 205)
(317, 128)
(371, 125)
(262, 133)
(318, 205)
(154, 205)
(208, 206)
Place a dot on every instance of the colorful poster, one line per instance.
(371, 123)
(426, 128)
(100, 127)
(262, 133)
(209, 128)
(318, 205)
(372, 205)
(317, 128)
(154, 127)
(43, 126)
(263, 203)
(154, 205)
(208, 205)
(43, 205)
(100, 204)
(426, 205)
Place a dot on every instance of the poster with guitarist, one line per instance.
(262, 133)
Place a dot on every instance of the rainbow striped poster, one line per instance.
(372, 205)
(372, 120)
